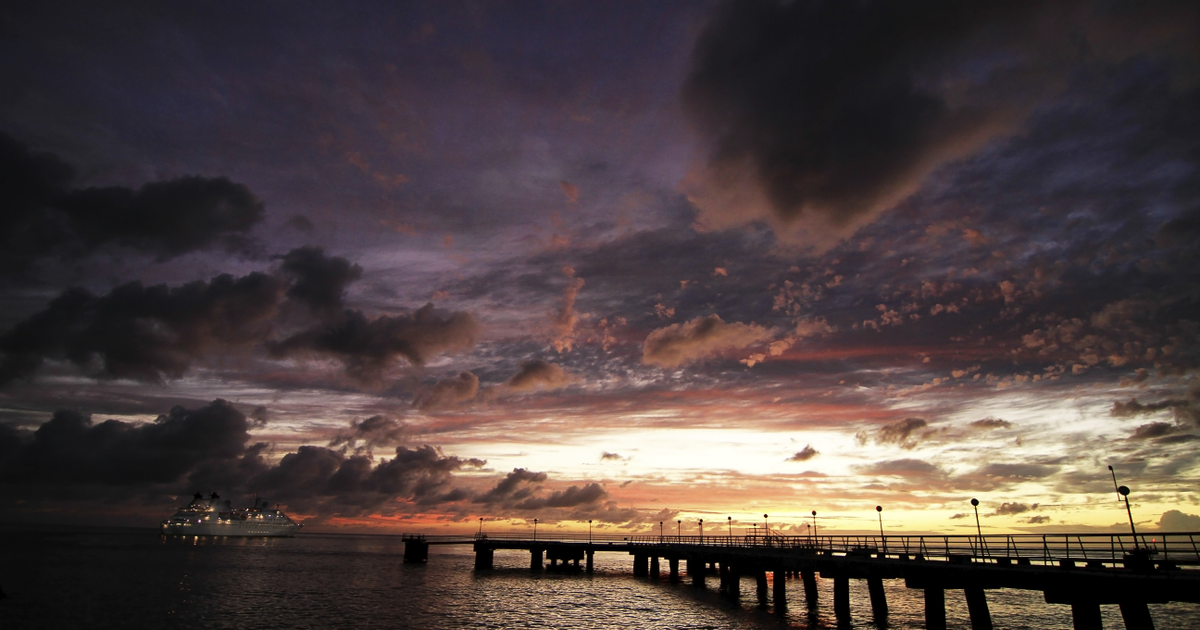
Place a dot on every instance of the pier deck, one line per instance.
(1081, 570)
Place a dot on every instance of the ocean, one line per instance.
(135, 579)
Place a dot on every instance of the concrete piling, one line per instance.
(879, 607)
(810, 588)
(841, 597)
(981, 618)
(535, 559)
(1086, 616)
(935, 608)
(760, 582)
(673, 567)
(779, 588)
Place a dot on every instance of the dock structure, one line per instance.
(1080, 570)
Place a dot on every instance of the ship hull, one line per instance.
(230, 529)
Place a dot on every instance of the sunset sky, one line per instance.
(403, 266)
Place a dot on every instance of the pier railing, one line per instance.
(1179, 549)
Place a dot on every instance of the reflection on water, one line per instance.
(136, 579)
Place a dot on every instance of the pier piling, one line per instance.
(673, 567)
(760, 582)
(654, 568)
(1136, 616)
(779, 588)
(879, 607)
(935, 608)
(981, 618)
(841, 597)
(416, 551)
(810, 588)
(1086, 616)
(535, 559)
(484, 557)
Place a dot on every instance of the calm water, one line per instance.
(135, 579)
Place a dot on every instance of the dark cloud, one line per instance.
(537, 373)
(449, 392)
(832, 112)
(573, 496)
(1185, 410)
(516, 485)
(42, 215)
(1009, 509)
(367, 346)
(609, 457)
(1176, 521)
(900, 468)
(897, 433)
(319, 281)
(991, 423)
(678, 344)
(1153, 430)
(1038, 520)
(326, 482)
(143, 333)
(372, 432)
(805, 454)
(72, 450)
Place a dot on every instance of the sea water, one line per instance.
(134, 578)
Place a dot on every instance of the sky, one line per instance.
(400, 267)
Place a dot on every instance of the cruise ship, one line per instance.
(210, 517)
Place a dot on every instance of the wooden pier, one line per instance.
(1080, 570)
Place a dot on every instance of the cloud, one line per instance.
(897, 432)
(1025, 472)
(565, 319)
(1176, 521)
(805, 454)
(684, 343)
(572, 496)
(449, 392)
(515, 485)
(1038, 520)
(608, 457)
(367, 346)
(372, 432)
(144, 333)
(1153, 430)
(70, 449)
(44, 216)
(319, 281)
(537, 373)
(317, 480)
(1185, 410)
(991, 423)
(1009, 509)
(823, 115)
(900, 468)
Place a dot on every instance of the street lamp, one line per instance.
(480, 525)
(660, 531)
(535, 529)
(879, 510)
(1125, 493)
(730, 519)
(814, 525)
(589, 531)
(975, 504)
(679, 530)
(701, 531)
(766, 525)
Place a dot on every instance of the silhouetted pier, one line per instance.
(1082, 570)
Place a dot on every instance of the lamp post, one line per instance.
(766, 526)
(535, 529)
(679, 531)
(730, 520)
(660, 531)
(1115, 488)
(701, 531)
(1125, 494)
(480, 525)
(879, 511)
(814, 525)
(755, 532)
(975, 504)
(589, 531)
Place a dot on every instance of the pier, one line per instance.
(1083, 571)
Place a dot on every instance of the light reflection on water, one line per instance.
(135, 579)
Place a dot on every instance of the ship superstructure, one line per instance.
(210, 517)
